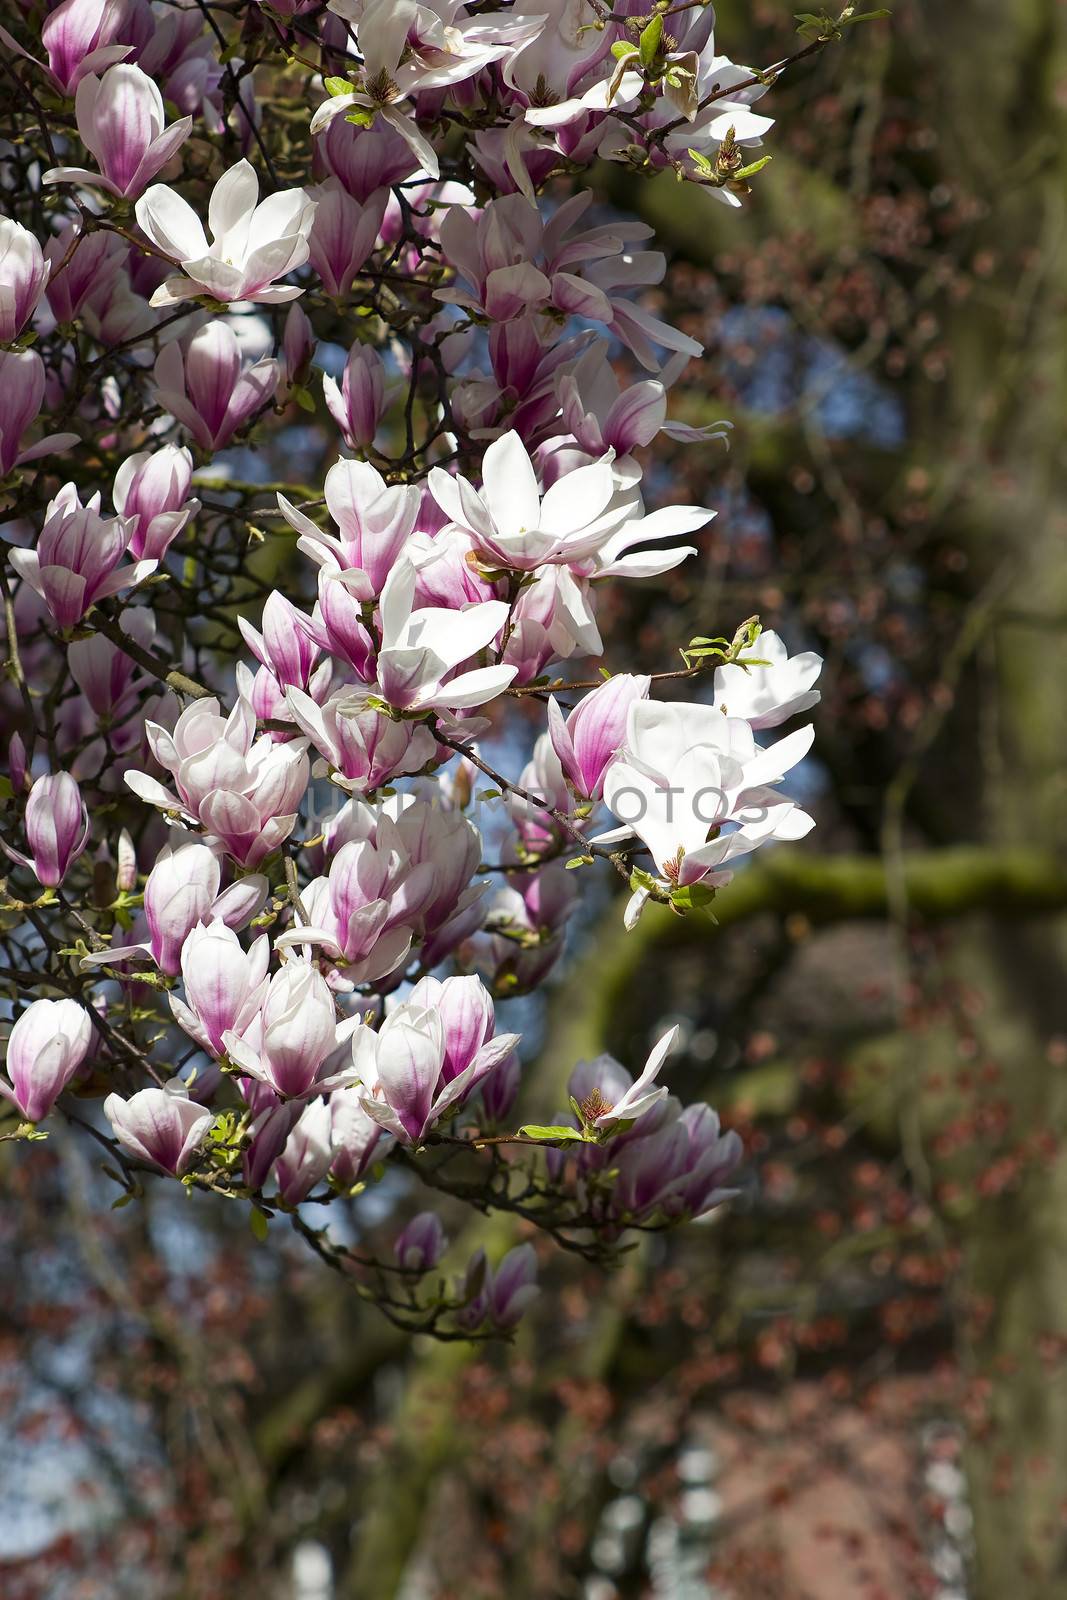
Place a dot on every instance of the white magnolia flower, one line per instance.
(685, 772)
(768, 696)
(590, 515)
(407, 48)
(420, 648)
(253, 242)
(645, 1093)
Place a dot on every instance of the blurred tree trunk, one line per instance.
(990, 80)
(1001, 71)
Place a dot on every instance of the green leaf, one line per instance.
(553, 1134)
(7, 791)
(258, 1222)
(336, 86)
(694, 897)
(579, 861)
(650, 41)
(756, 166)
(304, 399)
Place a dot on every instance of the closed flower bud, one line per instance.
(47, 1045)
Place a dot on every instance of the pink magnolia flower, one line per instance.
(182, 890)
(79, 37)
(467, 1014)
(298, 347)
(500, 1090)
(343, 233)
(243, 791)
(603, 416)
(506, 1293)
(607, 1095)
(362, 914)
(337, 622)
(77, 558)
(359, 404)
(106, 675)
(57, 828)
(45, 1048)
(79, 263)
(365, 747)
(305, 1160)
(206, 388)
(289, 1042)
(356, 1138)
(588, 740)
(401, 1067)
(420, 1245)
(23, 275)
(121, 122)
(161, 1127)
(376, 159)
(153, 487)
(224, 985)
(374, 523)
(407, 49)
(253, 243)
(286, 645)
(22, 384)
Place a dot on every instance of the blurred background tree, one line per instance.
(851, 1382)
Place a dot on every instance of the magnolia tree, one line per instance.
(266, 890)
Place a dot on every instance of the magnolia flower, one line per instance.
(45, 1048)
(285, 644)
(504, 1295)
(22, 384)
(23, 276)
(421, 1243)
(343, 233)
(375, 522)
(767, 696)
(78, 37)
(307, 1154)
(77, 270)
(357, 1139)
(207, 389)
(224, 986)
(289, 1041)
(108, 677)
(591, 514)
(359, 404)
(685, 771)
(407, 48)
(401, 1068)
(120, 121)
(363, 912)
(590, 738)
(603, 416)
(57, 828)
(161, 1127)
(421, 648)
(253, 244)
(76, 561)
(364, 747)
(182, 890)
(244, 791)
(153, 487)
(606, 1095)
